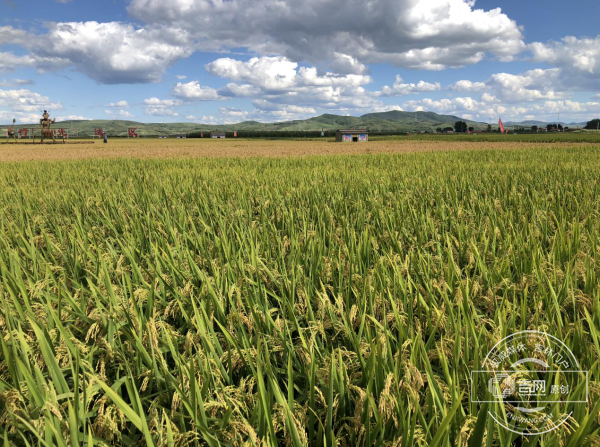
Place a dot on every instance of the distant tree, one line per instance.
(489, 128)
(551, 127)
(439, 130)
(534, 128)
(471, 129)
(460, 126)
(560, 127)
(593, 125)
(449, 129)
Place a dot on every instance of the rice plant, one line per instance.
(289, 301)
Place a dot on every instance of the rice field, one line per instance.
(203, 148)
(266, 300)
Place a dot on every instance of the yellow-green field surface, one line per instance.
(248, 293)
(24, 150)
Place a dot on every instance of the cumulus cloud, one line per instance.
(161, 107)
(113, 52)
(234, 112)
(428, 34)
(240, 91)
(118, 104)
(193, 91)
(578, 60)
(11, 62)
(24, 105)
(533, 85)
(121, 113)
(346, 64)
(402, 89)
(490, 106)
(468, 86)
(72, 118)
(279, 82)
(23, 100)
(12, 36)
(16, 82)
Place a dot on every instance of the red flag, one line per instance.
(501, 125)
(234, 133)
(201, 134)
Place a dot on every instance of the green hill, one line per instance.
(393, 121)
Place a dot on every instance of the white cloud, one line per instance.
(240, 91)
(72, 118)
(533, 85)
(160, 111)
(113, 52)
(122, 113)
(401, 89)
(276, 74)
(268, 73)
(277, 82)
(467, 86)
(344, 63)
(161, 102)
(10, 62)
(578, 60)
(15, 82)
(23, 100)
(233, 112)
(181, 77)
(193, 91)
(429, 34)
(490, 106)
(161, 107)
(24, 105)
(12, 36)
(118, 104)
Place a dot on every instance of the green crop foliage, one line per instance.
(289, 301)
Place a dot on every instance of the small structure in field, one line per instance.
(352, 136)
(218, 134)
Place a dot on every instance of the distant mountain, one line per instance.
(383, 121)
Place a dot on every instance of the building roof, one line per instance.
(353, 130)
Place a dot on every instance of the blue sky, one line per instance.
(227, 61)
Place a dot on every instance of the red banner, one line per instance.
(234, 133)
(62, 133)
(23, 133)
(501, 124)
(98, 132)
(132, 132)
